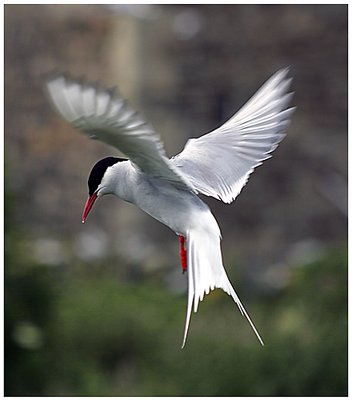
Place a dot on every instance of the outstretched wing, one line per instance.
(102, 114)
(219, 163)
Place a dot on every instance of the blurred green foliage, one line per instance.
(82, 330)
(75, 330)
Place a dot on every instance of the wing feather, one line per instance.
(219, 163)
(104, 115)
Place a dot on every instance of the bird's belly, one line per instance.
(179, 209)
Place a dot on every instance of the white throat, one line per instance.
(117, 180)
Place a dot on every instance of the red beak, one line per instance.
(89, 204)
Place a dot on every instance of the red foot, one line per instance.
(183, 253)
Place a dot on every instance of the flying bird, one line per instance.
(217, 164)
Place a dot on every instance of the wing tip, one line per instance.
(284, 71)
(69, 78)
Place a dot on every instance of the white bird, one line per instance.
(217, 164)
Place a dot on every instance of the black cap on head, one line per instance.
(98, 171)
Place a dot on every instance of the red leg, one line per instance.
(183, 253)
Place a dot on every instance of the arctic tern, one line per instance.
(217, 164)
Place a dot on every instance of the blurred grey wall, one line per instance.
(186, 68)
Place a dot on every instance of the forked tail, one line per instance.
(206, 272)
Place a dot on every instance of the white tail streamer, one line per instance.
(206, 272)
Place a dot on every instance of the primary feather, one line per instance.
(219, 163)
(105, 116)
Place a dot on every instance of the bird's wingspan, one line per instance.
(219, 163)
(102, 114)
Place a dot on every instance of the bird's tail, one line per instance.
(206, 272)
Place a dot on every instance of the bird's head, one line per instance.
(98, 184)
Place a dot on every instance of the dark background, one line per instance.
(98, 309)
